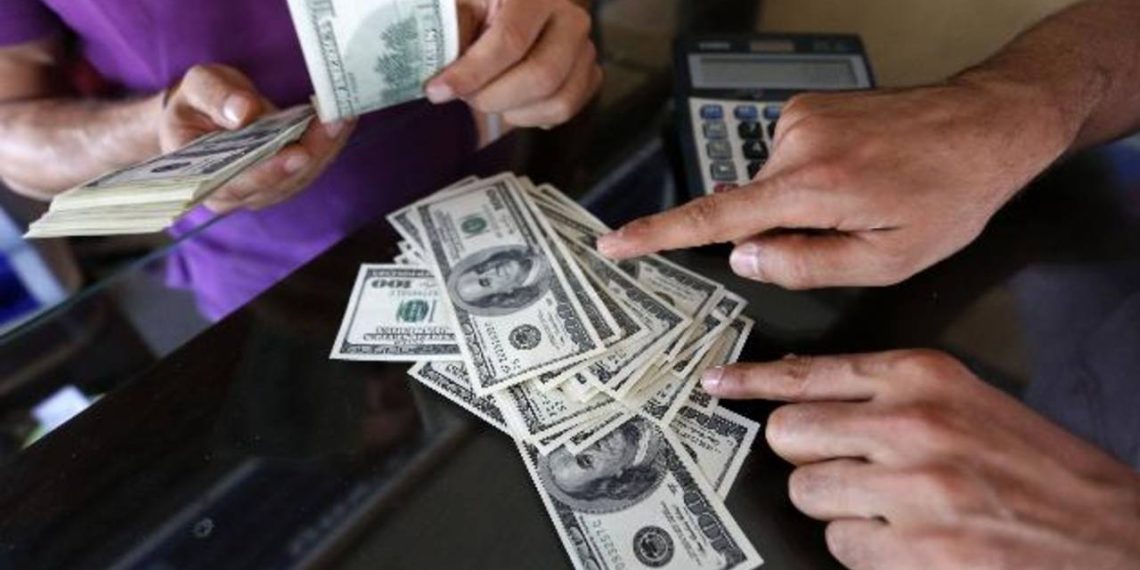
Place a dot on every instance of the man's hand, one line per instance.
(887, 182)
(918, 464)
(214, 97)
(531, 60)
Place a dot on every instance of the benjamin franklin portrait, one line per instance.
(499, 280)
(611, 475)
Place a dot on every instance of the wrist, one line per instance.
(1033, 110)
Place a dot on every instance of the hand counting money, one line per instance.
(150, 196)
(362, 56)
(501, 301)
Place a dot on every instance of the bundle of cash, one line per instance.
(151, 195)
(365, 55)
(501, 300)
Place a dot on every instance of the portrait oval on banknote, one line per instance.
(499, 280)
(615, 473)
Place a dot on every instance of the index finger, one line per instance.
(506, 41)
(798, 379)
(729, 216)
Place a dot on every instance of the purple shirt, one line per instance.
(143, 46)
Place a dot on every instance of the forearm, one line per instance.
(49, 145)
(1083, 63)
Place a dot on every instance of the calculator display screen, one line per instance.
(773, 72)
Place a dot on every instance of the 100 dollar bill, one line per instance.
(635, 499)
(365, 55)
(395, 314)
(515, 312)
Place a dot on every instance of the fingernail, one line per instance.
(235, 108)
(711, 379)
(332, 130)
(295, 163)
(745, 261)
(439, 93)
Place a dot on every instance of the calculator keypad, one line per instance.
(755, 150)
(734, 140)
(719, 150)
(715, 130)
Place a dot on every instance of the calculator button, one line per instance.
(724, 187)
(772, 130)
(712, 112)
(716, 130)
(755, 150)
(719, 150)
(723, 171)
(746, 113)
(754, 167)
(750, 130)
(772, 112)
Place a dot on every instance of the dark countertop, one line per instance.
(248, 447)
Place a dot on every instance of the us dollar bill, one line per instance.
(555, 197)
(614, 371)
(667, 392)
(364, 55)
(690, 356)
(534, 414)
(635, 499)
(630, 333)
(690, 293)
(516, 314)
(718, 442)
(395, 314)
(728, 350)
(401, 219)
(449, 379)
(590, 433)
(596, 310)
(725, 310)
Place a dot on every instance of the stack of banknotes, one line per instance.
(502, 302)
(150, 196)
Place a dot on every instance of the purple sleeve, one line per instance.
(22, 21)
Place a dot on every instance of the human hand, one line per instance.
(216, 97)
(887, 183)
(531, 60)
(918, 464)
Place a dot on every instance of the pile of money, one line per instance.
(150, 196)
(501, 300)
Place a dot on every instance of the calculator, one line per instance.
(731, 89)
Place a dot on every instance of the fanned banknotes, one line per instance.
(501, 300)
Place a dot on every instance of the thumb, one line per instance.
(808, 261)
(223, 94)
